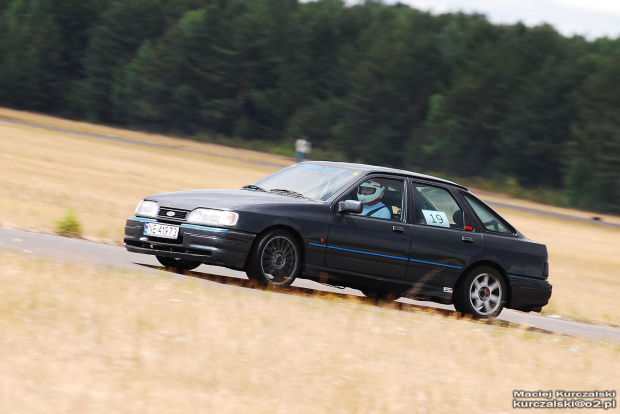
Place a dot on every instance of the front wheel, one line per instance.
(482, 293)
(178, 264)
(275, 259)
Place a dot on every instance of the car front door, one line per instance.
(377, 246)
(441, 246)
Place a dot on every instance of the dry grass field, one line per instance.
(584, 261)
(505, 199)
(44, 172)
(84, 339)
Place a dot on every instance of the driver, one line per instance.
(370, 193)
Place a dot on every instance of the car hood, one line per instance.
(236, 200)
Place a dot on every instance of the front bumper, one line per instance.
(528, 294)
(210, 245)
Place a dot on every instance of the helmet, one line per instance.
(370, 192)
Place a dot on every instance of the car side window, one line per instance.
(381, 197)
(435, 206)
(490, 220)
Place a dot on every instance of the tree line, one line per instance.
(382, 84)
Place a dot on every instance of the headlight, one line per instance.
(213, 217)
(147, 209)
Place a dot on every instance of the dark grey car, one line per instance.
(428, 238)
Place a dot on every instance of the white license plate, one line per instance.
(161, 230)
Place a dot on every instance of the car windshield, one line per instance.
(313, 181)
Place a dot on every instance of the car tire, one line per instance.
(178, 264)
(275, 259)
(482, 293)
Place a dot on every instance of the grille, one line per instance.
(179, 215)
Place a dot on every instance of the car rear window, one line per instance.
(490, 220)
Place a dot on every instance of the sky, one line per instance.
(589, 18)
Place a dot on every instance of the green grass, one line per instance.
(69, 225)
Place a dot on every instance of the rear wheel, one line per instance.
(482, 293)
(275, 259)
(179, 264)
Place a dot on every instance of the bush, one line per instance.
(69, 225)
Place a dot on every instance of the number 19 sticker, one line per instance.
(436, 218)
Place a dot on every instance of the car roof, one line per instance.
(365, 168)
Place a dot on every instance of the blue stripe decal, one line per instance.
(437, 264)
(382, 255)
(142, 219)
(523, 277)
(372, 254)
(191, 226)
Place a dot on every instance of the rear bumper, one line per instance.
(527, 294)
(210, 245)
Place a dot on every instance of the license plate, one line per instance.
(161, 230)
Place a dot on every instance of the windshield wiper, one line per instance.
(284, 191)
(253, 188)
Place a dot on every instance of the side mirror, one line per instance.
(349, 206)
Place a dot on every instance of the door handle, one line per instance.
(466, 239)
(398, 229)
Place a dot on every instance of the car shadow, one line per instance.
(308, 292)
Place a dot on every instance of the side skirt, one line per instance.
(361, 281)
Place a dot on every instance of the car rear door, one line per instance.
(370, 245)
(441, 247)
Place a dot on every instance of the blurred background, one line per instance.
(435, 87)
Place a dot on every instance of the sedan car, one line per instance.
(384, 231)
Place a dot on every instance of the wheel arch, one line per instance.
(489, 263)
(294, 233)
